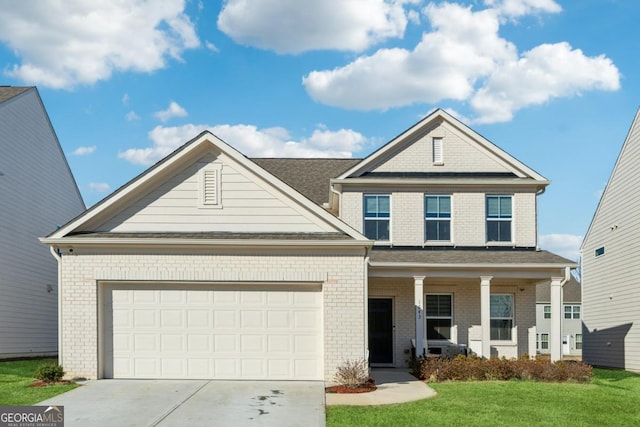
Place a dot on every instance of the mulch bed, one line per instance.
(364, 388)
(40, 383)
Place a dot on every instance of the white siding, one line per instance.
(611, 301)
(37, 193)
(246, 204)
(459, 155)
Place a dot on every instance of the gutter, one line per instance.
(477, 266)
(102, 241)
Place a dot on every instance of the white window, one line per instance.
(547, 311)
(437, 210)
(209, 182)
(439, 316)
(572, 312)
(544, 341)
(501, 312)
(438, 155)
(498, 211)
(578, 341)
(377, 216)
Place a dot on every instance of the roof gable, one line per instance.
(166, 198)
(464, 151)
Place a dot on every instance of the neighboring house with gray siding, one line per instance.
(37, 193)
(611, 266)
(571, 318)
(214, 265)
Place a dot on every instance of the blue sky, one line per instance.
(554, 83)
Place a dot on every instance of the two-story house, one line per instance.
(213, 265)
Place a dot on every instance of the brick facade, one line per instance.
(341, 273)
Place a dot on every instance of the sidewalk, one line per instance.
(394, 386)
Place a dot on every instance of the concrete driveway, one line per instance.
(193, 403)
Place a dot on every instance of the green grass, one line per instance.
(611, 399)
(15, 378)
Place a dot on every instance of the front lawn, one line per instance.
(15, 378)
(611, 399)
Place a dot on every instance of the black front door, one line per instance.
(380, 330)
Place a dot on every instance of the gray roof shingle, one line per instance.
(571, 292)
(457, 256)
(308, 176)
(8, 92)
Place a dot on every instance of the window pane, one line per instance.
(505, 231)
(376, 229)
(505, 207)
(493, 207)
(567, 312)
(547, 312)
(501, 306)
(438, 329)
(501, 329)
(432, 230)
(544, 344)
(445, 207)
(383, 207)
(578, 341)
(492, 231)
(576, 311)
(383, 230)
(431, 207)
(444, 230)
(438, 305)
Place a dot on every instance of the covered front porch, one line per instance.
(425, 302)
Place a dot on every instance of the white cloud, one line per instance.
(125, 99)
(174, 110)
(464, 59)
(99, 187)
(566, 245)
(69, 43)
(515, 8)
(251, 141)
(545, 72)
(212, 47)
(131, 116)
(83, 151)
(294, 26)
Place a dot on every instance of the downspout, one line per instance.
(366, 303)
(58, 258)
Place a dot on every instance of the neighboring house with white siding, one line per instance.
(571, 318)
(214, 265)
(37, 193)
(611, 266)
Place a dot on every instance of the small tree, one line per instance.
(49, 372)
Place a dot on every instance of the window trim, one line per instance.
(450, 219)
(427, 317)
(572, 311)
(510, 220)
(512, 318)
(364, 217)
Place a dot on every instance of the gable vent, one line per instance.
(209, 190)
(210, 195)
(437, 151)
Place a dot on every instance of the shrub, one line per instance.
(50, 372)
(473, 368)
(352, 373)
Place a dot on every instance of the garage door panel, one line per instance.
(173, 331)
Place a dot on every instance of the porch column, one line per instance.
(555, 339)
(485, 315)
(418, 293)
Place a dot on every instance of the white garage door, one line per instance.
(221, 332)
